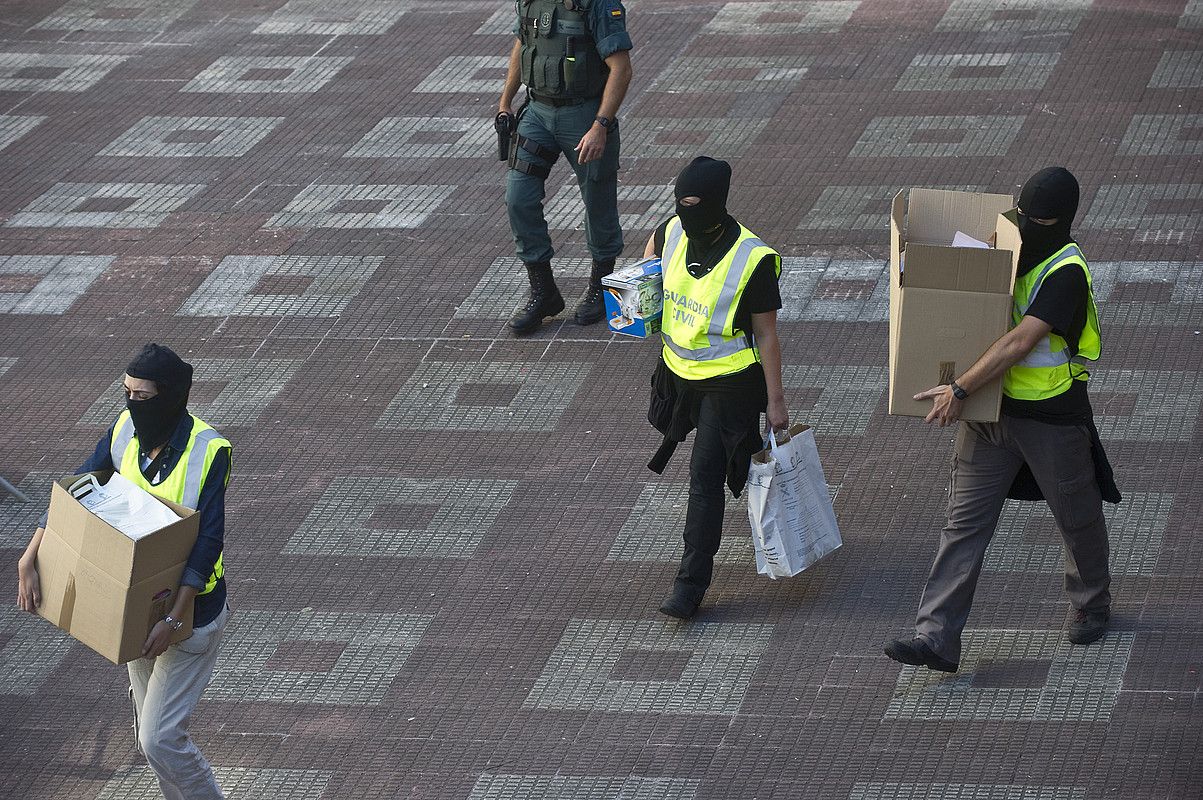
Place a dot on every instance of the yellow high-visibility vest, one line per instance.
(698, 325)
(1049, 370)
(184, 484)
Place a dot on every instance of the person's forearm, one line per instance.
(30, 556)
(770, 359)
(1000, 357)
(617, 84)
(183, 601)
(513, 77)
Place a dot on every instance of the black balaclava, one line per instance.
(156, 419)
(1052, 193)
(710, 180)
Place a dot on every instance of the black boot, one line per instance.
(592, 306)
(545, 300)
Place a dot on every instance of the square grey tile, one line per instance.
(267, 74)
(168, 137)
(237, 286)
(14, 127)
(393, 206)
(237, 783)
(722, 660)
(1082, 684)
(322, 18)
(54, 72)
(368, 651)
(430, 398)
(467, 74)
(938, 137)
(60, 281)
(781, 17)
(402, 517)
(125, 205)
(403, 137)
(141, 16)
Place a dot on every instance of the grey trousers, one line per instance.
(165, 690)
(987, 458)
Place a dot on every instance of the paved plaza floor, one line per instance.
(444, 550)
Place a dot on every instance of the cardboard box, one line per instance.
(948, 304)
(635, 298)
(102, 587)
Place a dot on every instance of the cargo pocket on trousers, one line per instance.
(1080, 501)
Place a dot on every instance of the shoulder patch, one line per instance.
(616, 12)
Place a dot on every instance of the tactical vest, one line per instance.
(698, 325)
(1048, 370)
(184, 484)
(559, 56)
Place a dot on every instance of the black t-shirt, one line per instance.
(1061, 302)
(762, 292)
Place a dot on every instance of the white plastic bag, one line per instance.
(793, 523)
(126, 506)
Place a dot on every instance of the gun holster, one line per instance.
(515, 141)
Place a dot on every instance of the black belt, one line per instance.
(560, 101)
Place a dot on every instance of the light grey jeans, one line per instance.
(165, 690)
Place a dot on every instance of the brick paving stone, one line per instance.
(444, 552)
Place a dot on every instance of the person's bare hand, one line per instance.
(946, 408)
(592, 145)
(777, 415)
(29, 587)
(158, 641)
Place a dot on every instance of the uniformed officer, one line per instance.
(573, 56)
(720, 364)
(158, 445)
(1044, 445)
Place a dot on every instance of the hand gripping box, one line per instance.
(948, 304)
(635, 298)
(104, 588)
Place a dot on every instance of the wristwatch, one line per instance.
(958, 392)
(604, 122)
(173, 623)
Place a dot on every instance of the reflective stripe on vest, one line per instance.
(183, 485)
(718, 346)
(1045, 372)
(1043, 354)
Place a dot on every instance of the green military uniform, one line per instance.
(564, 47)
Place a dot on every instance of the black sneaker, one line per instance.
(679, 606)
(1088, 626)
(917, 654)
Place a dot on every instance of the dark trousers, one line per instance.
(561, 128)
(988, 456)
(707, 502)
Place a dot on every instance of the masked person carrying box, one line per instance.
(1044, 445)
(156, 444)
(720, 364)
(573, 56)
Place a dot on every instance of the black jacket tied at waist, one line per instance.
(739, 399)
(1024, 487)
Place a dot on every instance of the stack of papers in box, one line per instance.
(126, 506)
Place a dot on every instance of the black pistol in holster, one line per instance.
(509, 141)
(506, 125)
